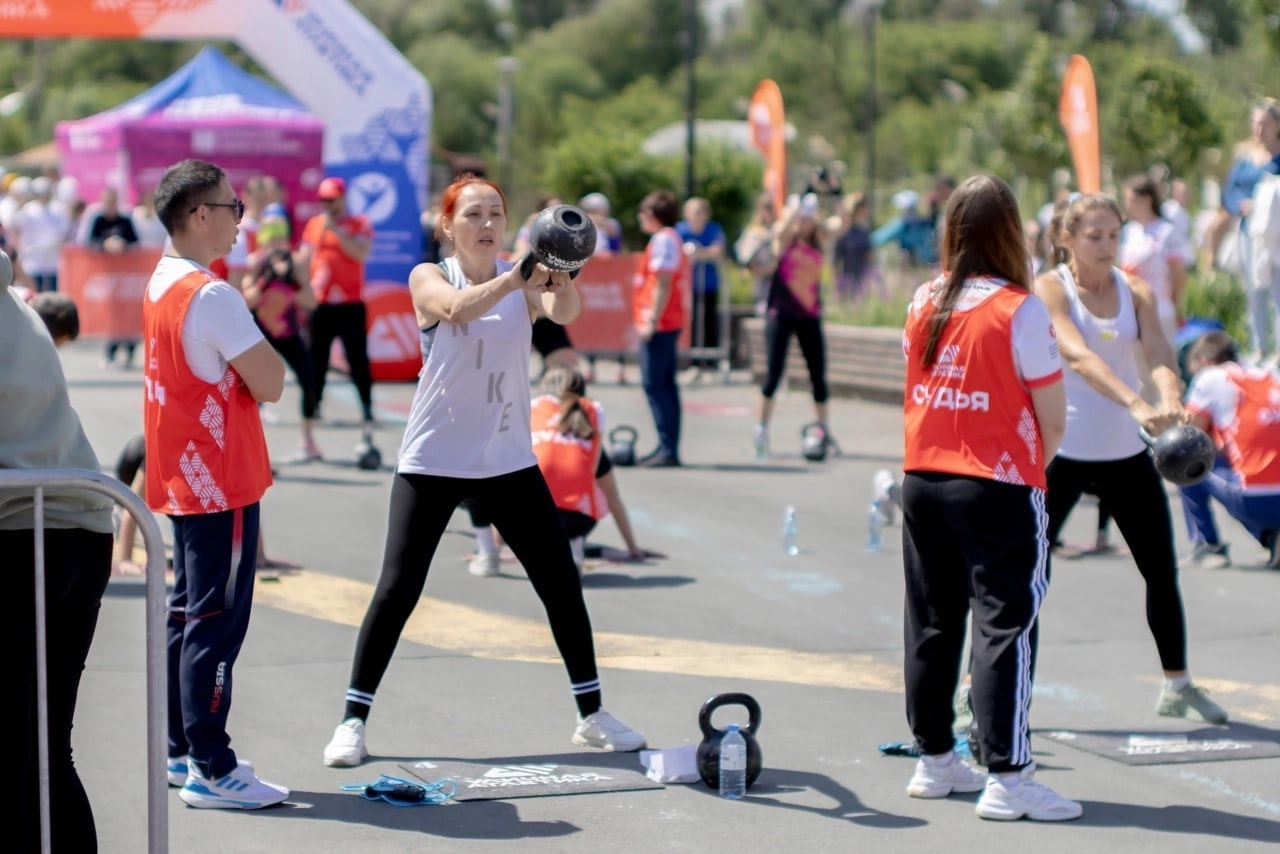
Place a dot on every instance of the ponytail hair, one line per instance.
(982, 236)
(569, 386)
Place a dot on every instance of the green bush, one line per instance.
(1218, 296)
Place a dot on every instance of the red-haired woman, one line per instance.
(468, 438)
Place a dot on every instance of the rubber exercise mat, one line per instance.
(532, 776)
(1210, 744)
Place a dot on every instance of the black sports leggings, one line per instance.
(1131, 489)
(522, 509)
(808, 332)
(294, 352)
(346, 322)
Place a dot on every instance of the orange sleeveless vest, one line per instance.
(567, 462)
(206, 451)
(646, 285)
(1252, 441)
(970, 413)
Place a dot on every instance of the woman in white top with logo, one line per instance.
(1101, 316)
(468, 438)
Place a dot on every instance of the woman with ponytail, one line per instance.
(567, 428)
(984, 412)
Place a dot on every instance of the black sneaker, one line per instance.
(1271, 539)
(659, 461)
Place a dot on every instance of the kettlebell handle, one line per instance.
(1145, 436)
(624, 430)
(736, 698)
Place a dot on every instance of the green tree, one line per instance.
(1160, 116)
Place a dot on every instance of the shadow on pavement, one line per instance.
(469, 820)
(1180, 818)
(775, 784)
(597, 579)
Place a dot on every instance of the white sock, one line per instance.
(942, 758)
(485, 543)
(1177, 683)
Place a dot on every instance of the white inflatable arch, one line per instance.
(375, 105)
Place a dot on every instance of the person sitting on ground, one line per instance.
(567, 430)
(1240, 408)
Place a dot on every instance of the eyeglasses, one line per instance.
(237, 207)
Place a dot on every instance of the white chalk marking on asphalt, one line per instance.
(1221, 787)
(486, 634)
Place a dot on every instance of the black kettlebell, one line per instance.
(709, 749)
(814, 442)
(561, 237)
(368, 457)
(622, 445)
(1183, 454)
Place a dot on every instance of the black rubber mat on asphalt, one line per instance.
(1210, 744)
(534, 776)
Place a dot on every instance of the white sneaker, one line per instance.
(176, 770)
(606, 732)
(238, 790)
(485, 563)
(346, 749)
(939, 776)
(1023, 797)
(178, 767)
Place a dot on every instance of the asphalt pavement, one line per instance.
(816, 639)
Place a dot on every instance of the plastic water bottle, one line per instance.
(789, 532)
(733, 764)
(875, 527)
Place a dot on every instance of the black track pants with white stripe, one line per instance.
(970, 544)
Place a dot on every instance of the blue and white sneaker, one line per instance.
(238, 790)
(176, 770)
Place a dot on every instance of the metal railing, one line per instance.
(698, 348)
(61, 480)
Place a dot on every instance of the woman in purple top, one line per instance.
(794, 307)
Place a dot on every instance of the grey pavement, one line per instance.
(815, 638)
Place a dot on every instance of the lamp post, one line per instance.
(507, 66)
(872, 8)
(691, 94)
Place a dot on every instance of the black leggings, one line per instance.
(1132, 491)
(346, 322)
(294, 352)
(777, 335)
(522, 509)
(77, 566)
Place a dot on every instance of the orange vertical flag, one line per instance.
(1078, 112)
(769, 135)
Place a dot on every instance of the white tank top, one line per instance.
(470, 413)
(1098, 428)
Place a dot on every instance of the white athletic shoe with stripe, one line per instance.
(239, 790)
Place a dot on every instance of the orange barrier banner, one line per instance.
(769, 135)
(605, 326)
(1078, 112)
(605, 289)
(107, 289)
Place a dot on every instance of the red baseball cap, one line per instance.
(331, 188)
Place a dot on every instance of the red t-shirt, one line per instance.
(335, 275)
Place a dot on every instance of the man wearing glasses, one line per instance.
(206, 368)
(334, 246)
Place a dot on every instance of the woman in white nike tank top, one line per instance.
(468, 438)
(1100, 316)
